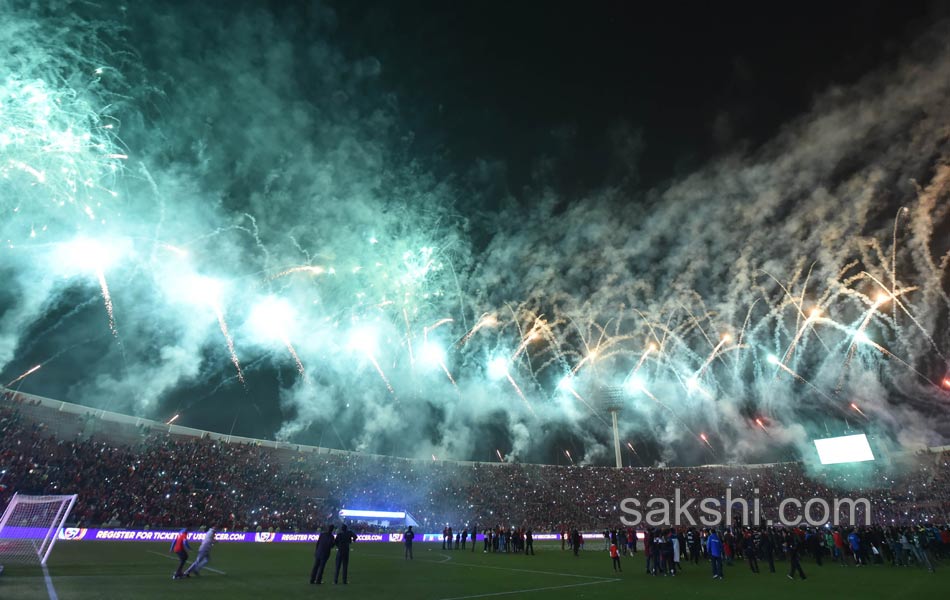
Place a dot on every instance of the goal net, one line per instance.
(29, 527)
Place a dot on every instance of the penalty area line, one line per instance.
(540, 589)
(212, 569)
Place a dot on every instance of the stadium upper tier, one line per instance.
(134, 472)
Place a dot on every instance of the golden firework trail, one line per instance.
(486, 320)
(25, 375)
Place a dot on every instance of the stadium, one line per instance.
(458, 300)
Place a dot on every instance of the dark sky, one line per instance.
(518, 80)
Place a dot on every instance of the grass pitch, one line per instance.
(116, 571)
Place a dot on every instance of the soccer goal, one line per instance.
(29, 527)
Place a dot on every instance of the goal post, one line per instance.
(30, 525)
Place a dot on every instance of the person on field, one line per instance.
(321, 555)
(794, 555)
(342, 543)
(407, 540)
(180, 547)
(615, 557)
(714, 549)
(204, 554)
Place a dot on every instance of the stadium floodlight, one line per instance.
(844, 449)
(29, 526)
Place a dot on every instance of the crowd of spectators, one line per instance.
(152, 479)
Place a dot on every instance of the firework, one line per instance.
(85, 256)
(567, 385)
(486, 320)
(632, 449)
(364, 340)
(726, 338)
(847, 307)
(52, 138)
(272, 318)
(310, 269)
(26, 374)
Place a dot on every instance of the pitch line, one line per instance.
(540, 589)
(49, 585)
(212, 569)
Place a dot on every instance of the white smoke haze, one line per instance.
(252, 187)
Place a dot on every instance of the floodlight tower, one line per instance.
(611, 399)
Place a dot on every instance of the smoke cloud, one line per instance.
(222, 212)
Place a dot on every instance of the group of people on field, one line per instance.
(181, 546)
(666, 548)
(326, 542)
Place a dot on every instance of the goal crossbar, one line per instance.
(36, 520)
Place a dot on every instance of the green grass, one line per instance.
(81, 570)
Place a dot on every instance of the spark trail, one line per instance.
(107, 300)
(223, 325)
(26, 374)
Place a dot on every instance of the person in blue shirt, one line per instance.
(855, 541)
(714, 548)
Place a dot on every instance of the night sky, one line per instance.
(328, 222)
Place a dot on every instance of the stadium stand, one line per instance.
(131, 472)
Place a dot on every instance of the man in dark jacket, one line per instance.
(342, 543)
(692, 543)
(794, 553)
(749, 551)
(407, 540)
(768, 548)
(321, 555)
